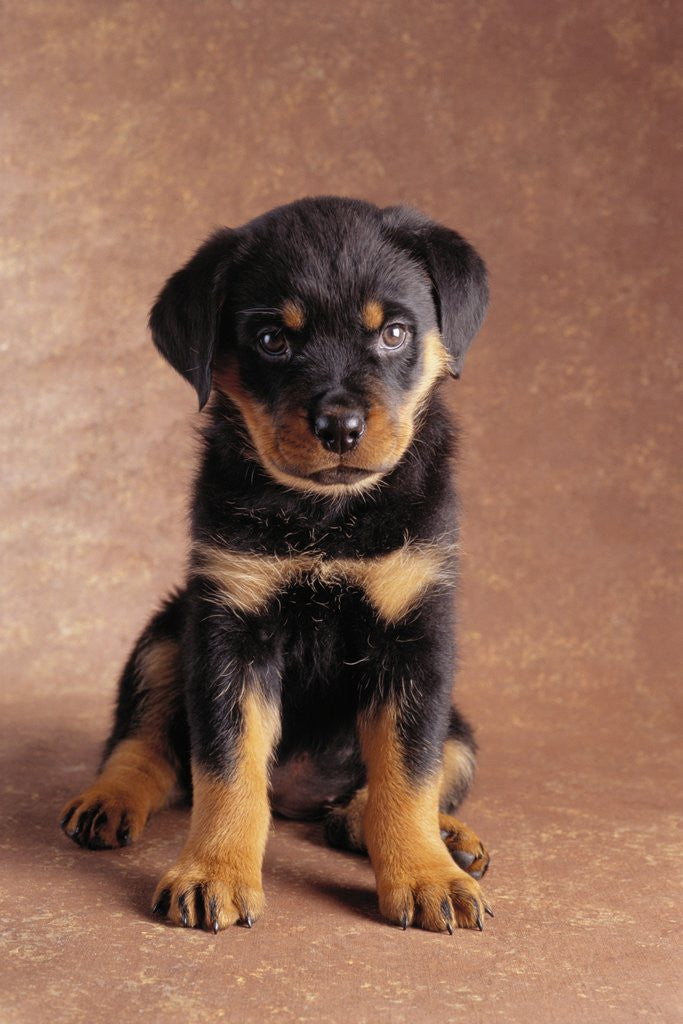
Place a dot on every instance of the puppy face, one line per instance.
(328, 350)
(323, 323)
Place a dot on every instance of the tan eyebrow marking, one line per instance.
(373, 315)
(393, 583)
(293, 315)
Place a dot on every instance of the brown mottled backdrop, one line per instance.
(544, 131)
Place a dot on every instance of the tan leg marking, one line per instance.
(458, 769)
(157, 667)
(464, 846)
(416, 878)
(457, 774)
(345, 828)
(344, 825)
(217, 880)
(136, 780)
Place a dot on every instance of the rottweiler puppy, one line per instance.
(307, 663)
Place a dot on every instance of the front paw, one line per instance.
(437, 897)
(207, 895)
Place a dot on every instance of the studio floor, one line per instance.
(543, 133)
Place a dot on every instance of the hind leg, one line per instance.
(143, 756)
(344, 824)
(457, 775)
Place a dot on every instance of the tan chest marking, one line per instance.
(392, 583)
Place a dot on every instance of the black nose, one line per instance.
(339, 431)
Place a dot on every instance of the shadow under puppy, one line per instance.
(308, 661)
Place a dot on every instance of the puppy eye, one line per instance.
(274, 344)
(394, 336)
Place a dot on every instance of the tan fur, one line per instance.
(245, 582)
(392, 583)
(298, 446)
(139, 776)
(383, 433)
(457, 771)
(389, 432)
(435, 365)
(372, 315)
(293, 315)
(289, 452)
(224, 850)
(354, 815)
(458, 836)
(264, 436)
(157, 667)
(136, 779)
(416, 877)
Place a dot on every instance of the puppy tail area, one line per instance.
(344, 828)
(146, 758)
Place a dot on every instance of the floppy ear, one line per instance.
(457, 272)
(185, 318)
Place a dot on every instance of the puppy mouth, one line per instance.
(340, 475)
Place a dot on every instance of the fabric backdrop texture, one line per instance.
(546, 133)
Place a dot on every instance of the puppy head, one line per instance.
(327, 323)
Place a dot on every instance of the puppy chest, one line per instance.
(390, 585)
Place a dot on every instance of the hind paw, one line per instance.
(101, 820)
(464, 846)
